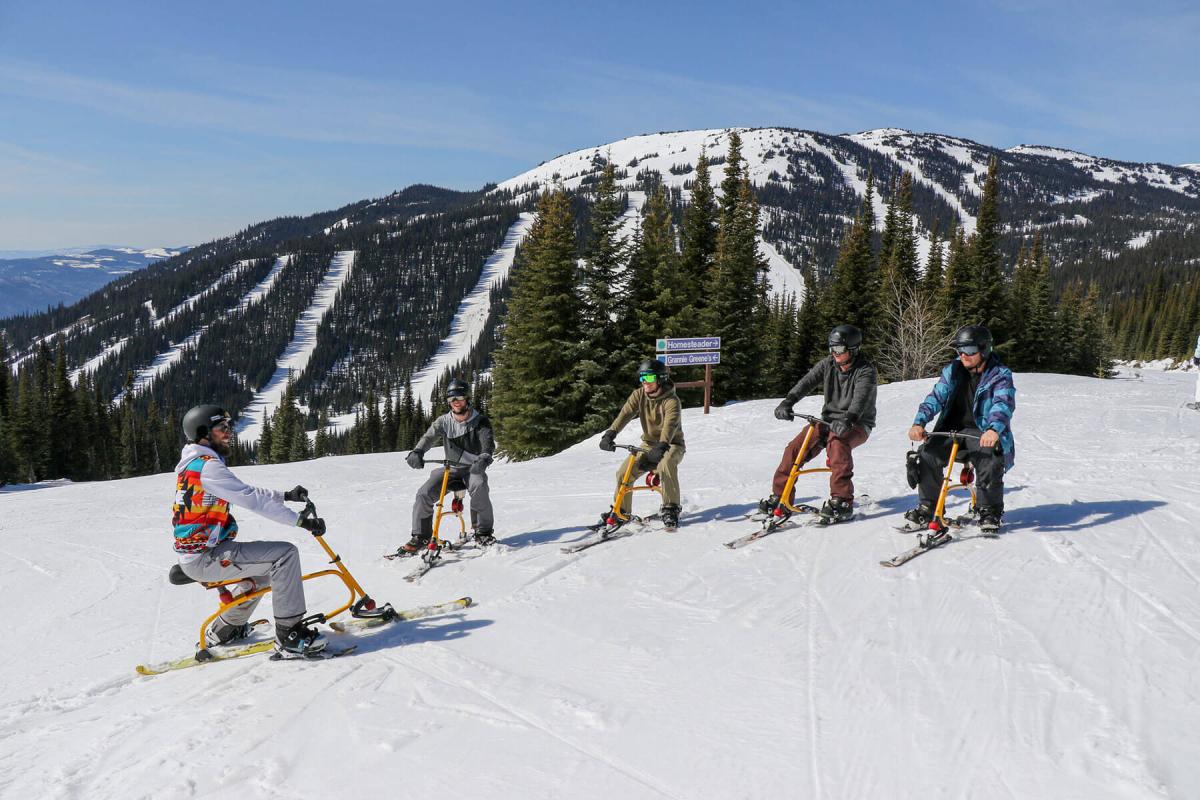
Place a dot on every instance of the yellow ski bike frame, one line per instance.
(616, 518)
(938, 524)
(785, 505)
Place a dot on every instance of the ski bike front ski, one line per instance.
(345, 626)
(772, 525)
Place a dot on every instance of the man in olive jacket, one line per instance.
(657, 406)
(850, 384)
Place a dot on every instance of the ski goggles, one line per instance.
(838, 349)
(967, 350)
(223, 426)
(648, 377)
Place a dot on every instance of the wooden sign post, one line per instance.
(671, 352)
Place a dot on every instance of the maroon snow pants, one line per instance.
(840, 460)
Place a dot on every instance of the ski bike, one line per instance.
(612, 525)
(937, 532)
(431, 556)
(364, 611)
(781, 516)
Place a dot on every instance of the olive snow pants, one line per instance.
(427, 496)
(274, 564)
(667, 471)
(841, 461)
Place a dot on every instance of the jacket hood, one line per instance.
(191, 450)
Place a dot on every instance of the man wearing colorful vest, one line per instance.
(205, 534)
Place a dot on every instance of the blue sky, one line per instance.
(158, 124)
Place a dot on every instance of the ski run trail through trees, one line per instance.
(1059, 660)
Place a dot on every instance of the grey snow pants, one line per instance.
(427, 496)
(274, 564)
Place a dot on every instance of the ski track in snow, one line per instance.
(167, 359)
(295, 356)
(472, 315)
(1055, 661)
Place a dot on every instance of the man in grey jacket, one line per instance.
(468, 442)
(850, 384)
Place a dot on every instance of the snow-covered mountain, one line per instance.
(31, 283)
(1057, 661)
(418, 298)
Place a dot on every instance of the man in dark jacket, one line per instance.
(975, 395)
(467, 438)
(850, 384)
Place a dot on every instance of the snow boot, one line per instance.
(837, 509)
(484, 537)
(989, 518)
(221, 632)
(767, 504)
(919, 516)
(298, 641)
(669, 514)
(415, 545)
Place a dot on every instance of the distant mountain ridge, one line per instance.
(31, 283)
(184, 328)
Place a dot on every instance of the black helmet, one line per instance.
(652, 366)
(197, 423)
(846, 336)
(976, 336)
(457, 388)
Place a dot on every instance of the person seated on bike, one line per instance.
(850, 384)
(468, 441)
(975, 395)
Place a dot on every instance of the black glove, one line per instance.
(840, 427)
(481, 464)
(1196, 360)
(606, 441)
(783, 411)
(415, 460)
(650, 459)
(297, 495)
(314, 525)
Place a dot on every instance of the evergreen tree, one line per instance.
(266, 440)
(536, 403)
(853, 294)
(600, 371)
(987, 302)
(61, 434)
(321, 446)
(130, 432)
(958, 284)
(736, 287)
(931, 281)
(387, 435)
(374, 431)
(899, 253)
(699, 241)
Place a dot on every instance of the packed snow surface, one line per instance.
(1057, 661)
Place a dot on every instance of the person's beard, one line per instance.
(221, 448)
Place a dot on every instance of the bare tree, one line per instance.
(916, 337)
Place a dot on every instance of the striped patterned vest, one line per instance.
(201, 520)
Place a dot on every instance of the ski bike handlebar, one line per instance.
(951, 435)
(809, 418)
(633, 448)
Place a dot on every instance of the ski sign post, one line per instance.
(700, 350)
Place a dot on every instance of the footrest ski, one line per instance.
(420, 612)
(923, 547)
(320, 655)
(619, 533)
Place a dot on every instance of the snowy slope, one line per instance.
(472, 315)
(298, 351)
(1058, 661)
(1109, 171)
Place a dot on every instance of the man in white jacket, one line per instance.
(205, 534)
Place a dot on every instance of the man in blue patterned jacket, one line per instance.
(974, 395)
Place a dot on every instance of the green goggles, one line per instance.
(647, 377)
